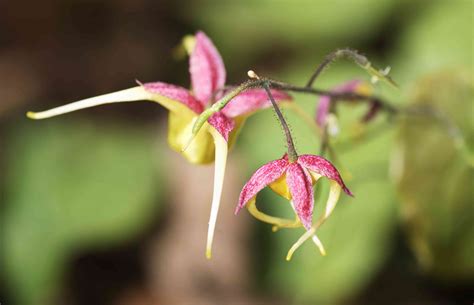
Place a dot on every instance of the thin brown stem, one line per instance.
(292, 155)
(359, 59)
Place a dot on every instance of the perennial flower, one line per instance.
(208, 76)
(294, 181)
(353, 86)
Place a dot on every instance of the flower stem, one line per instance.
(220, 104)
(292, 155)
(359, 59)
(341, 53)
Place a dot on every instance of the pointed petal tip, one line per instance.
(31, 115)
(208, 253)
(347, 191)
(237, 209)
(319, 244)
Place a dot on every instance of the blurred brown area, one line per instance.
(47, 48)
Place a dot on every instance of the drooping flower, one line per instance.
(208, 76)
(354, 86)
(294, 181)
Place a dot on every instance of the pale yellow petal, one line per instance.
(127, 95)
(219, 171)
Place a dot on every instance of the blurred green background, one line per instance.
(89, 200)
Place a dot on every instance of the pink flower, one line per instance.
(212, 142)
(208, 77)
(353, 86)
(325, 101)
(294, 181)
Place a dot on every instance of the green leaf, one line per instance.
(434, 175)
(72, 185)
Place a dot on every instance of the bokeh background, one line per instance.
(96, 209)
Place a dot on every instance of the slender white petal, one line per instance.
(308, 234)
(334, 193)
(219, 171)
(311, 233)
(319, 244)
(127, 95)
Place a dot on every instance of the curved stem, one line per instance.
(292, 155)
(220, 104)
(298, 110)
(359, 59)
(341, 53)
(335, 96)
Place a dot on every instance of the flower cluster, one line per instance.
(203, 124)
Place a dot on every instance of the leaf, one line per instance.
(72, 185)
(434, 175)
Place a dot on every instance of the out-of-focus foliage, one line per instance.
(434, 179)
(72, 185)
(434, 176)
(244, 28)
(440, 37)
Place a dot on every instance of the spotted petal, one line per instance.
(206, 68)
(323, 167)
(252, 100)
(176, 93)
(265, 175)
(222, 124)
(301, 189)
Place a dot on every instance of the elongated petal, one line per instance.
(301, 189)
(206, 68)
(174, 93)
(260, 179)
(252, 100)
(334, 193)
(127, 95)
(219, 171)
(171, 97)
(222, 124)
(311, 233)
(323, 167)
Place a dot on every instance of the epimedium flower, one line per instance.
(294, 181)
(323, 114)
(218, 133)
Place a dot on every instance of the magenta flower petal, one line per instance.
(206, 68)
(252, 100)
(260, 179)
(222, 124)
(325, 101)
(324, 168)
(322, 110)
(175, 93)
(301, 189)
